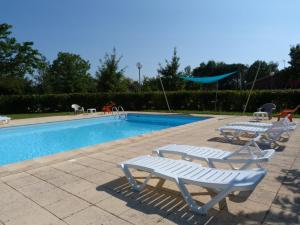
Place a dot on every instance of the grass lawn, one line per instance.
(211, 112)
(36, 115)
(203, 112)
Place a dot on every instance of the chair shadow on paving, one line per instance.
(286, 206)
(170, 205)
(277, 148)
(289, 196)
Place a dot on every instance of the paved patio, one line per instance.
(84, 187)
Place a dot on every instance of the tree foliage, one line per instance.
(295, 60)
(170, 74)
(24, 70)
(18, 62)
(265, 69)
(213, 68)
(110, 78)
(68, 74)
(151, 84)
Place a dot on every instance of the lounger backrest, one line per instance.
(268, 107)
(276, 131)
(75, 106)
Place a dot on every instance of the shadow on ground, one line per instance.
(288, 198)
(286, 206)
(169, 204)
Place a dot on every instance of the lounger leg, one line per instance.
(216, 198)
(248, 163)
(160, 183)
(159, 153)
(269, 140)
(210, 163)
(186, 158)
(222, 203)
(226, 136)
(235, 136)
(132, 181)
(188, 198)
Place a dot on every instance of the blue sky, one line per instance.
(147, 31)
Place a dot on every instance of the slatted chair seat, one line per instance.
(182, 172)
(271, 134)
(251, 152)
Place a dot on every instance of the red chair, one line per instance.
(107, 108)
(287, 113)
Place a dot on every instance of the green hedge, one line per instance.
(181, 100)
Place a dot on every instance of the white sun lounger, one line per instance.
(271, 134)
(245, 156)
(284, 123)
(220, 182)
(4, 119)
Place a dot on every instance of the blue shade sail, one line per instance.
(207, 80)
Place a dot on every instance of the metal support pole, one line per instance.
(217, 84)
(139, 66)
(240, 83)
(140, 79)
(163, 89)
(252, 88)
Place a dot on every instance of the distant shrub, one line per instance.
(180, 100)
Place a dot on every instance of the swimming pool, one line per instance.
(20, 143)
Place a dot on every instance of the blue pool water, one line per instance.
(26, 142)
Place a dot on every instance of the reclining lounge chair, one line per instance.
(285, 123)
(220, 182)
(271, 134)
(255, 155)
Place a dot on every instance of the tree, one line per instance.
(68, 74)
(151, 84)
(109, 77)
(206, 69)
(18, 62)
(170, 74)
(38, 80)
(295, 61)
(266, 69)
(213, 68)
(190, 85)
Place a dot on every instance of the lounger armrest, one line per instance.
(256, 139)
(268, 154)
(226, 161)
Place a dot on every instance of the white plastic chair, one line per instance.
(4, 119)
(77, 108)
(220, 182)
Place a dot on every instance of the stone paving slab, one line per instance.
(67, 207)
(94, 216)
(85, 186)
